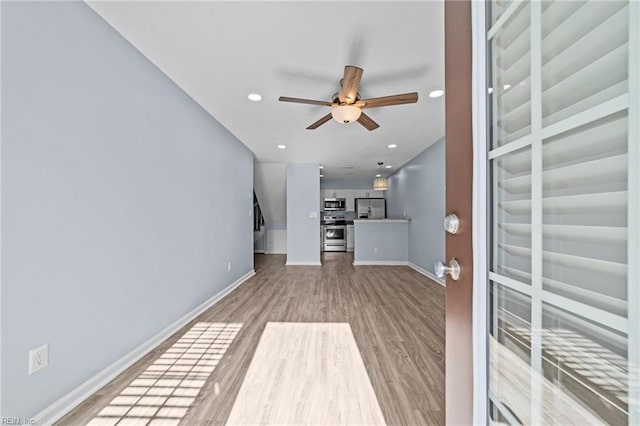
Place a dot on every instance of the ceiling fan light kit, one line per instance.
(347, 106)
(346, 113)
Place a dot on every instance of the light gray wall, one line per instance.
(381, 242)
(417, 191)
(122, 200)
(303, 194)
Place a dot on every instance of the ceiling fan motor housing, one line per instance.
(335, 98)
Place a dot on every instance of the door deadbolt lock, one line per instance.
(453, 269)
(452, 223)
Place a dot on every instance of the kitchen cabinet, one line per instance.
(350, 195)
(360, 193)
(350, 240)
(341, 193)
(351, 205)
(368, 193)
(328, 193)
(375, 194)
(334, 193)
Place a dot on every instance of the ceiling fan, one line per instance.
(346, 105)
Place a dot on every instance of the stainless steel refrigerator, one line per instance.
(371, 208)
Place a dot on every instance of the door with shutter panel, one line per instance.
(563, 118)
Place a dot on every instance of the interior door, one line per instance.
(459, 169)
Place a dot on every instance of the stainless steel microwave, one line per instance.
(335, 204)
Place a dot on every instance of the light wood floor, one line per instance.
(306, 373)
(395, 313)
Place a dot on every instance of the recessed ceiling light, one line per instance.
(322, 167)
(393, 145)
(378, 175)
(490, 90)
(436, 93)
(282, 146)
(506, 87)
(387, 167)
(321, 175)
(254, 97)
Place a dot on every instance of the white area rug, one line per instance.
(306, 374)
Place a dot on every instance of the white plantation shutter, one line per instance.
(562, 145)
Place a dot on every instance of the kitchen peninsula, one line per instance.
(381, 241)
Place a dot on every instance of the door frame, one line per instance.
(480, 207)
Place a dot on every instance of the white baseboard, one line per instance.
(58, 409)
(259, 251)
(427, 274)
(380, 262)
(290, 263)
(275, 252)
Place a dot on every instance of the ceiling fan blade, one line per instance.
(303, 101)
(350, 84)
(320, 122)
(405, 98)
(367, 122)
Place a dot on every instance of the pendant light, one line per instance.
(380, 183)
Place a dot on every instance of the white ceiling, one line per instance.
(219, 52)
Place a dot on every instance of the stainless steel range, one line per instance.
(334, 233)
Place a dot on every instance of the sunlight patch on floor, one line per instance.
(306, 374)
(162, 394)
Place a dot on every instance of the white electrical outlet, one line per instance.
(38, 358)
(375, 250)
(229, 267)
